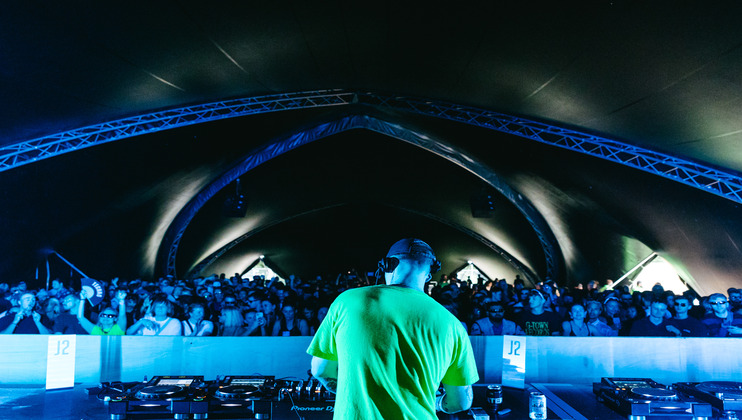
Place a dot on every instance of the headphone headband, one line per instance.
(408, 246)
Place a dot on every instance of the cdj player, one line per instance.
(174, 397)
(242, 397)
(641, 398)
(725, 397)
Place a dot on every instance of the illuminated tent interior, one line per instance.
(350, 126)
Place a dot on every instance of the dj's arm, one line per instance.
(455, 399)
(326, 372)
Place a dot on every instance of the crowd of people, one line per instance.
(236, 306)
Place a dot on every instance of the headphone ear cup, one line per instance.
(388, 264)
(435, 267)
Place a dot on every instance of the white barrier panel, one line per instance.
(576, 360)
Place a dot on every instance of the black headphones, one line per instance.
(408, 247)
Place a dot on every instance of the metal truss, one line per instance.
(21, 153)
(169, 246)
(705, 178)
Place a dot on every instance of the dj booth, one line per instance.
(261, 398)
(266, 377)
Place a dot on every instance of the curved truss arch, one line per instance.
(199, 268)
(169, 247)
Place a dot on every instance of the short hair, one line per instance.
(717, 295)
(194, 305)
(658, 299)
(682, 297)
(593, 302)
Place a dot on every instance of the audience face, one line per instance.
(631, 312)
(496, 313)
(682, 306)
(735, 298)
(523, 295)
(719, 305)
(251, 318)
(196, 314)
(160, 310)
(288, 312)
(535, 300)
(593, 310)
(496, 295)
(218, 295)
(42, 295)
(254, 303)
(27, 302)
(322, 313)
(107, 318)
(657, 311)
(70, 302)
(268, 307)
(53, 308)
(577, 313)
(612, 307)
(308, 314)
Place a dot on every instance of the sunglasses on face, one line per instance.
(681, 304)
(719, 303)
(107, 316)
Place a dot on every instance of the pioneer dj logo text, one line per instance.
(328, 408)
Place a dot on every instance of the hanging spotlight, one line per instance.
(235, 205)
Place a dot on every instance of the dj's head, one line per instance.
(409, 256)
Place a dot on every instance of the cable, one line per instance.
(293, 405)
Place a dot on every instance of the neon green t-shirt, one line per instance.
(115, 330)
(394, 346)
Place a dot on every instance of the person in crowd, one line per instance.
(132, 305)
(196, 325)
(594, 309)
(288, 324)
(110, 321)
(24, 320)
(322, 312)
(254, 298)
(722, 322)
(52, 309)
(576, 326)
(612, 314)
(310, 315)
(684, 325)
(495, 322)
(158, 321)
(386, 349)
(254, 324)
(534, 320)
(57, 288)
(654, 325)
(231, 322)
(633, 312)
(67, 322)
(735, 300)
(268, 307)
